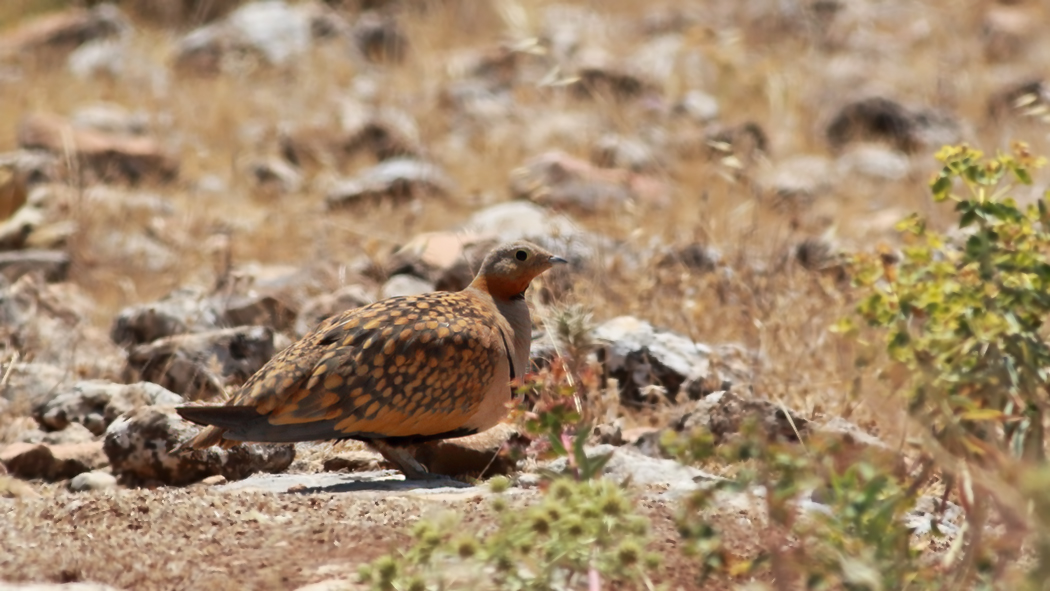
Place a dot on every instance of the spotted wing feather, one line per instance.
(408, 367)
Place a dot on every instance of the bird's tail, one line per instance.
(217, 420)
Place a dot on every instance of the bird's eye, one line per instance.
(521, 255)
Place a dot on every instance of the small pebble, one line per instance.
(528, 480)
(92, 481)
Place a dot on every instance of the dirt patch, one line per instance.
(203, 538)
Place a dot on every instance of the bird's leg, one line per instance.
(404, 461)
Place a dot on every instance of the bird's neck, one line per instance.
(500, 288)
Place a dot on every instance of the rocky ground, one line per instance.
(185, 190)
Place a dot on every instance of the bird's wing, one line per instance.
(412, 366)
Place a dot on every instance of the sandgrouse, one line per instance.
(397, 372)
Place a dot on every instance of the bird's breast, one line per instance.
(495, 403)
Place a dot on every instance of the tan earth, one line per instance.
(204, 538)
(188, 187)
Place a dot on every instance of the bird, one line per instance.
(395, 373)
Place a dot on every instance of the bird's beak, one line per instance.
(557, 260)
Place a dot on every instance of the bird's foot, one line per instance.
(410, 467)
(443, 479)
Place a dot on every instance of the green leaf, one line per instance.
(941, 186)
(1021, 173)
(972, 173)
(556, 444)
(844, 326)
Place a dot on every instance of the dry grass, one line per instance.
(776, 69)
(13, 12)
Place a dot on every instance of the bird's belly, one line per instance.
(495, 404)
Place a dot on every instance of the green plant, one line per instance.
(861, 540)
(559, 432)
(966, 317)
(963, 316)
(551, 405)
(580, 534)
(857, 540)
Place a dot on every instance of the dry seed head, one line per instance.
(628, 553)
(572, 326)
(467, 547)
(562, 490)
(574, 527)
(499, 484)
(504, 563)
(387, 568)
(540, 524)
(364, 573)
(431, 540)
(421, 529)
(613, 505)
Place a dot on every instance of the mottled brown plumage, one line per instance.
(399, 371)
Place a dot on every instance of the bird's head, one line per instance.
(507, 270)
